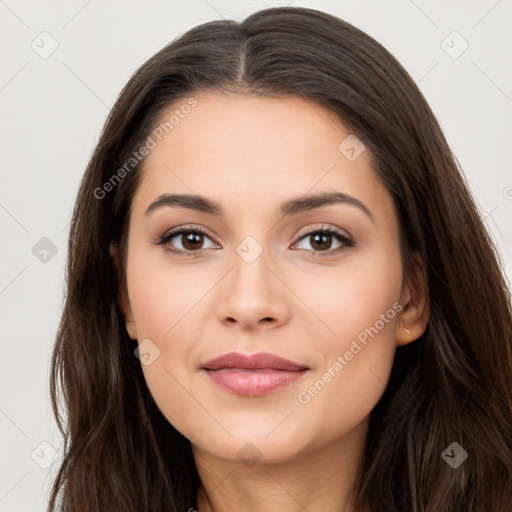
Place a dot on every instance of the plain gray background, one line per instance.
(53, 107)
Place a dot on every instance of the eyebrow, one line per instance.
(291, 207)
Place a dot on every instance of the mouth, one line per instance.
(258, 382)
(254, 375)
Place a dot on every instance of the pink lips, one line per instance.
(253, 375)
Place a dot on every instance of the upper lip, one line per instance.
(259, 361)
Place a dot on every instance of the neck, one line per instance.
(320, 479)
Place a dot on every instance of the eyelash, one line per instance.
(346, 241)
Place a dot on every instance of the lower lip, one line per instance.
(253, 382)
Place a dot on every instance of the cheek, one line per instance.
(358, 308)
(162, 296)
(348, 301)
(166, 302)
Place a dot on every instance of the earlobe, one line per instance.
(416, 303)
(130, 329)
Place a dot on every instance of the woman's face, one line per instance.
(263, 276)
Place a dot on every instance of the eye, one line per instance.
(322, 240)
(190, 239)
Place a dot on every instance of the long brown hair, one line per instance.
(453, 384)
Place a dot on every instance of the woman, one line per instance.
(280, 293)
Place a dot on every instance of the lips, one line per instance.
(259, 361)
(253, 375)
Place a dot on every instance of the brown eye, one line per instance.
(185, 240)
(191, 241)
(321, 240)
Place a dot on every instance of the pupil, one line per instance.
(319, 236)
(192, 239)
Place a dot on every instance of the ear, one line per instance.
(122, 292)
(415, 301)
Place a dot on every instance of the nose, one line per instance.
(253, 295)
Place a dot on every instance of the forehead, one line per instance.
(250, 152)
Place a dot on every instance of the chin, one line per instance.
(250, 444)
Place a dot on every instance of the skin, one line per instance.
(249, 154)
